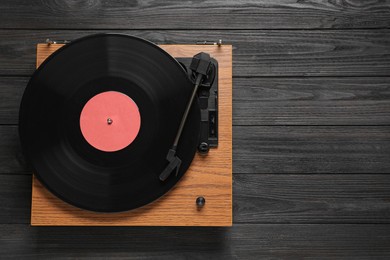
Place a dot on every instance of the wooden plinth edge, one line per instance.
(177, 207)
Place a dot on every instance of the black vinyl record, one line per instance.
(49, 122)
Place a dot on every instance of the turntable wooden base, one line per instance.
(209, 176)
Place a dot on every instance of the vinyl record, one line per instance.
(98, 118)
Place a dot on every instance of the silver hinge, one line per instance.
(219, 43)
(49, 42)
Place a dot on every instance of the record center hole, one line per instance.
(109, 121)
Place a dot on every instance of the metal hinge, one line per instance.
(49, 42)
(219, 43)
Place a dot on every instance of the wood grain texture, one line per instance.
(177, 207)
(238, 242)
(263, 198)
(305, 149)
(311, 101)
(176, 14)
(11, 91)
(274, 149)
(11, 155)
(322, 198)
(256, 53)
(15, 199)
(275, 101)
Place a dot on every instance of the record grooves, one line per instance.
(52, 139)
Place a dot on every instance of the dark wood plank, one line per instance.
(175, 14)
(11, 156)
(275, 101)
(240, 241)
(15, 198)
(11, 92)
(274, 149)
(256, 53)
(263, 198)
(321, 198)
(306, 149)
(311, 101)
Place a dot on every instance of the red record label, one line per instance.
(110, 121)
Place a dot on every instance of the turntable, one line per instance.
(120, 131)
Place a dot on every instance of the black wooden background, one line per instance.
(311, 126)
